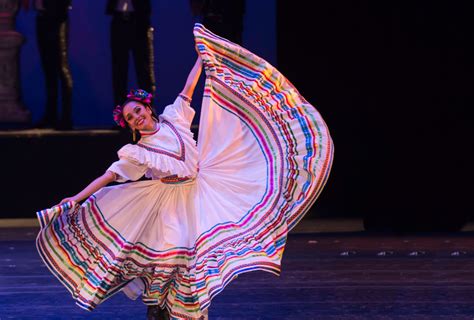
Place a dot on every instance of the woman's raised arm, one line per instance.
(193, 79)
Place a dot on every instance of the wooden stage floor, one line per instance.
(341, 274)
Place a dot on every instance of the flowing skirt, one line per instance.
(265, 154)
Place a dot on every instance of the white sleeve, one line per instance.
(180, 111)
(126, 170)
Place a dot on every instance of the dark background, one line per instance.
(90, 56)
(394, 82)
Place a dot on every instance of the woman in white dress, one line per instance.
(210, 211)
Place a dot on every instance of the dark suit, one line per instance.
(131, 32)
(223, 17)
(52, 27)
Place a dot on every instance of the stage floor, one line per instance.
(332, 272)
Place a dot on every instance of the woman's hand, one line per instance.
(67, 199)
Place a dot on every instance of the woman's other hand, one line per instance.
(67, 199)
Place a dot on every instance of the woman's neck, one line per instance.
(153, 128)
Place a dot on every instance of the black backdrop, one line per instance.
(394, 81)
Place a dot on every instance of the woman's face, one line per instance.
(138, 116)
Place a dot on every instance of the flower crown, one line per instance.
(139, 95)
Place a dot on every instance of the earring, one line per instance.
(134, 135)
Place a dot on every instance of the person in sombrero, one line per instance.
(210, 210)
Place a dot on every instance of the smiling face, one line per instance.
(138, 116)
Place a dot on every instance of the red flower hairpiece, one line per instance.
(118, 116)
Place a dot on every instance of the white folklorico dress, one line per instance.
(211, 211)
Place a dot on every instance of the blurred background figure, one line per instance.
(52, 28)
(131, 31)
(223, 17)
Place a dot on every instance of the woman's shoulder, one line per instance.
(128, 151)
(179, 112)
(135, 153)
(179, 102)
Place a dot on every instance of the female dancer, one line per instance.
(209, 212)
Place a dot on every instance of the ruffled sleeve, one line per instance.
(138, 160)
(180, 112)
(126, 170)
